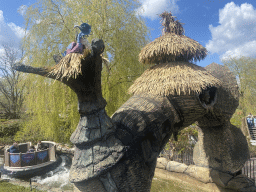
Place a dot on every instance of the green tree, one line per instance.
(183, 143)
(50, 24)
(245, 69)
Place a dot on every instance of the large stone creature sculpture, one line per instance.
(120, 153)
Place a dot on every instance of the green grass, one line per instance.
(158, 185)
(163, 185)
(8, 187)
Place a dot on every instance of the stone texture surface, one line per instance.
(176, 167)
(200, 173)
(64, 148)
(248, 189)
(217, 181)
(223, 148)
(93, 185)
(240, 182)
(220, 178)
(227, 94)
(161, 163)
(92, 159)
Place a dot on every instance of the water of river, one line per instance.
(57, 178)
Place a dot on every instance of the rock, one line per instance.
(161, 163)
(240, 182)
(201, 173)
(220, 178)
(176, 167)
(248, 189)
(222, 148)
(64, 148)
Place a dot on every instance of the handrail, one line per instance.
(29, 159)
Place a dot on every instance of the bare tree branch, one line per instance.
(11, 96)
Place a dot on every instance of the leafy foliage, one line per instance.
(237, 118)
(9, 128)
(183, 143)
(50, 24)
(245, 69)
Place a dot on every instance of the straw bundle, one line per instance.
(172, 46)
(69, 66)
(174, 78)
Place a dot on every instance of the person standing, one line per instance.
(250, 120)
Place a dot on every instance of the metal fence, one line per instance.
(249, 169)
(186, 157)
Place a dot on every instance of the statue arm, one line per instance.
(43, 71)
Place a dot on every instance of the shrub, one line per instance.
(6, 140)
(236, 119)
(10, 127)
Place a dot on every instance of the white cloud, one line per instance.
(10, 34)
(236, 34)
(152, 8)
(22, 9)
(19, 31)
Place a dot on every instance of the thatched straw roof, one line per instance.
(174, 78)
(172, 46)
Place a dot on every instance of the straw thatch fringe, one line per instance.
(172, 47)
(174, 78)
(69, 66)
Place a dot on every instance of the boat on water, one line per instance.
(29, 164)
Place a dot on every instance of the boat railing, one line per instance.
(29, 159)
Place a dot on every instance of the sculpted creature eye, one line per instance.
(208, 95)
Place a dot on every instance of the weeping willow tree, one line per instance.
(244, 68)
(52, 105)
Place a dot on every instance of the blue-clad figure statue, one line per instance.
(81, 41)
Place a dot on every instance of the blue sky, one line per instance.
(225, 28)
